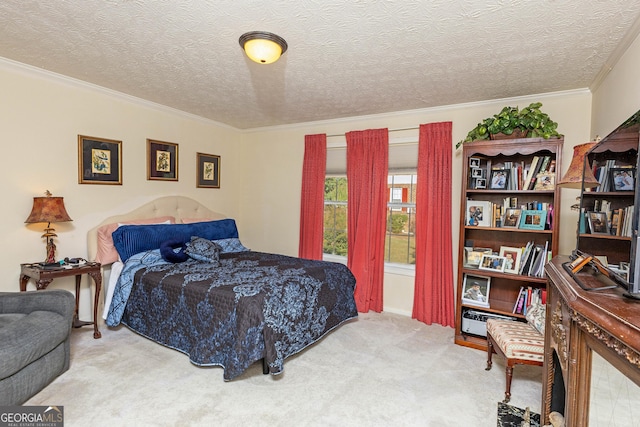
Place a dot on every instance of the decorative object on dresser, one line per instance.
(516, 229)
(48, 209)
(99, 160)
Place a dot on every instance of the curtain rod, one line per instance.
(390, 130)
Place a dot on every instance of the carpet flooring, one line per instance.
(379, 370)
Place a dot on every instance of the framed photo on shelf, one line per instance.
(598, 222)
(472, 256)
(208, 171)
(475, 290)
(477, 173)
(492, 262)
(479, 213)
(499, 179)
(99, 161)
(162, 160)
(622, 179)
(533, 219)
(480, 183)
(511, 218)
(474, 162)
(545, 181)
(512, 257)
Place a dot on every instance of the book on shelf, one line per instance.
(530, 173)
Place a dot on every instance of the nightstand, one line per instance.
(45, 275)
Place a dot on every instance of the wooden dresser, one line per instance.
(578, 323)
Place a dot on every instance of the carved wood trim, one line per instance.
(559, 334)
(606, 338)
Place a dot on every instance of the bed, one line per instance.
(181, 277)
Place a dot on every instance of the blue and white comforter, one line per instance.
(250, 306)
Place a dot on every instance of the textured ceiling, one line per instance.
(345, 58)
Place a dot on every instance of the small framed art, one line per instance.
(511, 218)
(622, 179)
(162, 160)
(533, 219)
(478, 213)
(499, 179)
(481, 183)
(598, 222)
(472, 256)
(208, 167)
(512, 257)
(475, 290)
(474, 162)
(477, 173)
(492, 262)
(545, 181)
(99, 160)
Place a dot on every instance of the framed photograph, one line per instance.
(512, 257)
(545, 181)
(511, 218)
(481, 183)
(208, 167)
(598, 222)
(478, 213)
(622, 179)
(99, 161)
(533, 219)
(475, 290)
(477, 173)
(492, 262)
(162, 160)
(472, 256)
(474, 162)
(499, 179)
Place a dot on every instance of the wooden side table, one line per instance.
(45, 275)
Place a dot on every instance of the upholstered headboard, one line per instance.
(179, 207)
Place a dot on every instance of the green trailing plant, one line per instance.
(531, 121)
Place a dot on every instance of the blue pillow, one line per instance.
(231, 245)
(168, 251)
(132, 239)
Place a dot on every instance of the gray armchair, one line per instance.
(35, 329)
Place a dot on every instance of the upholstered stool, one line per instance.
(519, 342)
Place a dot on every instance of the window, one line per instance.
(401, 207)
(400, 234)
(335, 216)
(400, 243)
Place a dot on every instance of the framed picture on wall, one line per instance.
(99, 160)
(162, 160)
(208, 171)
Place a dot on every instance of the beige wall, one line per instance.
(41, 116)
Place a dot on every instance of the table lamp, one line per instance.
(48, 209)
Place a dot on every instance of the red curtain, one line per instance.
(312, 200)
(367, 169)
(433, 298)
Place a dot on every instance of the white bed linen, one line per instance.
(116, 270)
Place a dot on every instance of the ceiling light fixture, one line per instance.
(263, 47)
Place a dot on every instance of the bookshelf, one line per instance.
(612, 161)
(517, 214)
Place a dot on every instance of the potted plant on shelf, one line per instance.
(511, 122)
